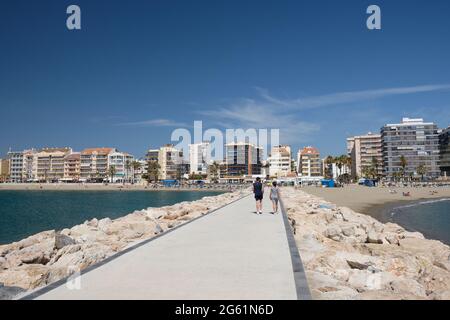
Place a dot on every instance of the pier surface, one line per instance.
(231, 253)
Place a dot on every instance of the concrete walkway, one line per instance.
(231, 253)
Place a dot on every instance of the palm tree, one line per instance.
(214, 172)
(403, 164)
(136, 165)
(422, 170)
(112, 172)
(153, 170)
(375, 166)
(127, 169)
(328, 161)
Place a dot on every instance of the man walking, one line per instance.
(258, 190)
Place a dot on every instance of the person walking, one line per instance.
(274, 196)
(258, 190)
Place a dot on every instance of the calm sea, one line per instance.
(432, 218)
(23, 213)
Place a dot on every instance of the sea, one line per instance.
(24, 213)
(430, 217)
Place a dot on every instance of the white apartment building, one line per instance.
(365, 152)
(170, 160)
(309, 163)
(122, 162)
(199, 157)
(280, 161)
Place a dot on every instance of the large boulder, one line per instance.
(26, 276)
(62, 240)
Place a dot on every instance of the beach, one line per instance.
(375, 201)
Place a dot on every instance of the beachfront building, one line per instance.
(170, 161)
(444, 152)
(123, 165)
(309, 163)
(4, 170)
(48, 164)
(152, 155)
(365, 152)
(72, 164)
(199, 158)
(414, 141)
(280, 161)
(94, 163)
(16, 171)
(242, 159)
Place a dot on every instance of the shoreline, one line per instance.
(109, 187)
(378, 203)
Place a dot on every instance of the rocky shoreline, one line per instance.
(348, 255)
(49, 256)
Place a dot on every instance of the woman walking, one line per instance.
(274, 196)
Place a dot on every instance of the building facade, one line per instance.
(199, 158)
(243, 159)
(444, 152)
(365, 152)
(170, 161)
(309, 163)
(16, 171)
(280, 161)
(4, 170)
(415, 141)
(94, 163)
(122, 163)
(72, 164)
(48, 164)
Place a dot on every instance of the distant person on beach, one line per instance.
(274, 196)
(258, 190)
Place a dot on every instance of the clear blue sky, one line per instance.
(139, 69)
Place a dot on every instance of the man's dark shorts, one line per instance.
(258, 197)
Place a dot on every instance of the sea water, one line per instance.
(24, 213)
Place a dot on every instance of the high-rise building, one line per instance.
(72, 167)
(444, 152)
(94, 163)
(152, 155)
(170, 161)
(199, 157)
(243, 159)
(365, 152)
(49, 164)
(414, 140)
(280, 161)
(309, 163)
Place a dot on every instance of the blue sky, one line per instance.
(139, 69)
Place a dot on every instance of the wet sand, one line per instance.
(376, 202)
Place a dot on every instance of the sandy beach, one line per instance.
(375, 201)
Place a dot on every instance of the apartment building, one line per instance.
(48, 164)
(170, 160)
(280, 161)
(4, 170)
(444, 152)
(417, 142)
(309, 163)
(94, 163)
(72, 164)
(365, 152)
(243, 159)
(199, 158)
(122, 162)
(15, 159)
